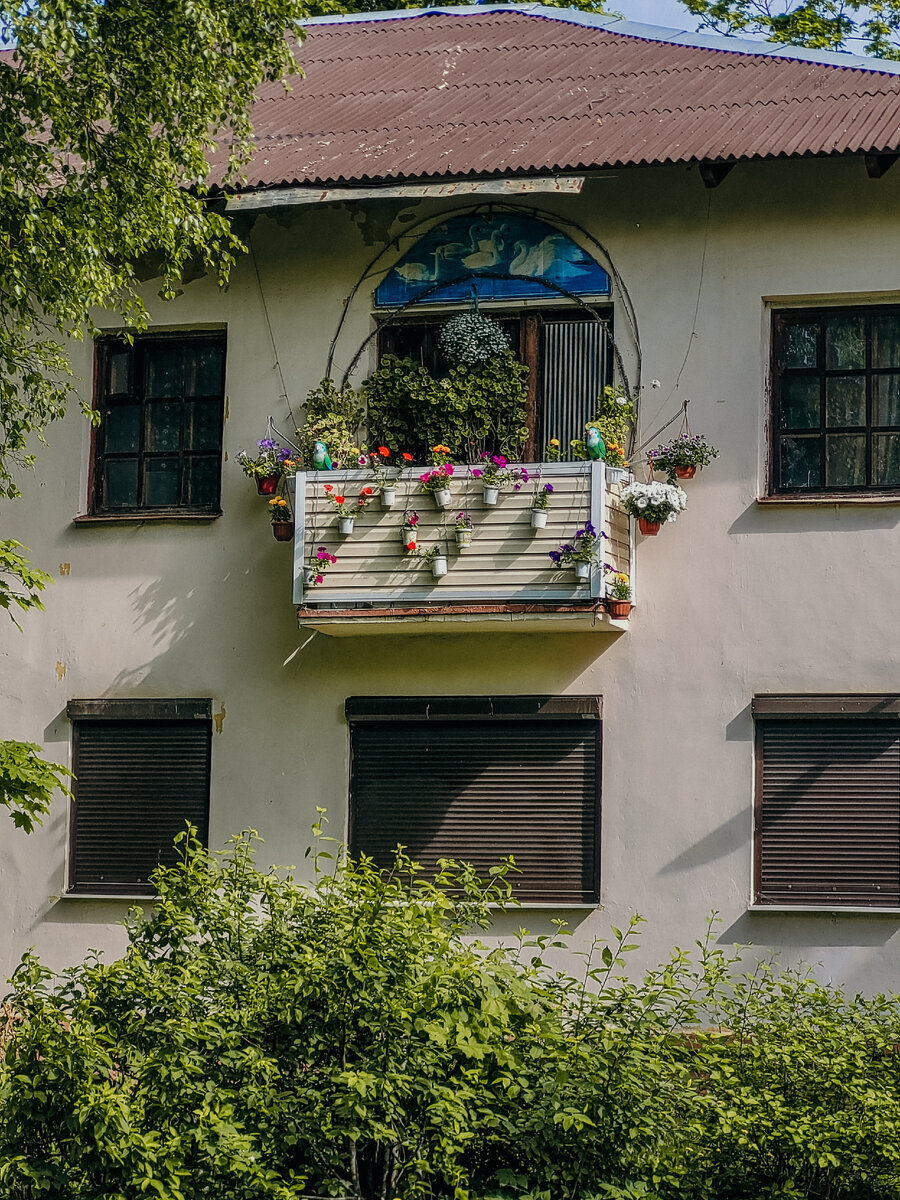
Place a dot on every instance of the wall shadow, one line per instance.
(771, 519)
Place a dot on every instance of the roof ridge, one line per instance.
(714, 42)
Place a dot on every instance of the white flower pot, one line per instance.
(616, 474)
(582, 572)
(442, 497)
(388, 497)
(439, 566)
(538, 518)
(464, 537)
(345, 524)
(309, 576)
(408, 534)
(491, 494)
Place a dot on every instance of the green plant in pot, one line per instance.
(334, 416)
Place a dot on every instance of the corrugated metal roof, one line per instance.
(527, 90)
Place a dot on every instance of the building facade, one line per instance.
(733, 746)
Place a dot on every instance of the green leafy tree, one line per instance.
(872, 27)
(112, 118)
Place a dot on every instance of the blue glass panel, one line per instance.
(506, 256)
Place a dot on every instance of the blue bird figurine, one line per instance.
(596, 447)
(321, 461)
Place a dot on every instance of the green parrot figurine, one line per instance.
(596, 447)
(321, 461)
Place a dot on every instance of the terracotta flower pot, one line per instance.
(283, 530)
(648, 528)
(618, 609)
(685, 472)
(267, 485)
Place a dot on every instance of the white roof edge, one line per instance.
(635, 29)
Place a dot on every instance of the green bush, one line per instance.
(260, 1038)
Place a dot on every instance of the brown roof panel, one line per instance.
(487, 91)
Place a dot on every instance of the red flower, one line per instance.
(367, 491)
(339, 499)
(410, 545)
(328, 487)
(407, 457)
(384, 452)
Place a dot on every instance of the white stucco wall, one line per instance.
(736, 598)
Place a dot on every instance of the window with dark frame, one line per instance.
(478, 778)
(836, 401)
(827, 821)
(568, 353)
(158, 447)
(142, 772)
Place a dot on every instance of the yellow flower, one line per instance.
(621, 579)
(275, 501)
(554, 441)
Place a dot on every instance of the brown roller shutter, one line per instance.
(136, 784)
(479, 790)
(828, 812)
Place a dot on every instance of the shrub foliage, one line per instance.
(262, 1038)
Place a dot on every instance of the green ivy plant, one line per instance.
(470, 410)
(614, 417)
(333, 416)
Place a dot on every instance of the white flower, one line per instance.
(641, 501)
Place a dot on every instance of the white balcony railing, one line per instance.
(507, 561)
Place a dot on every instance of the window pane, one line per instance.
(120, 487)
(886, 341)
(203, 481)
(886, 459)
(203, 425)
(161, 481)
(886, 399)
(164, 426)
(800, 465)
(122, 428)
(845, 343)
(203, 371)
(164, 371)
(845, 400)
(119, 363)
(845, 460)
(800, 345)
(800, 402)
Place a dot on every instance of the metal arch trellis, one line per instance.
(550, 218)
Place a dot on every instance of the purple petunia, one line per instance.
(548, 487)
(266, 444)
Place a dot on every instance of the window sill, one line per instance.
(131, 897)
(197, 518)
(833, 910)
(825, 501)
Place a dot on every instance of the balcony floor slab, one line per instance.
(470, 618)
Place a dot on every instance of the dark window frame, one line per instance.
(781, 319)
(445, 710)
(526, 345)
(105, 399)
(191, 711)
(867, 711)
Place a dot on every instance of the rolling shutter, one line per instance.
(137, 783)
(828, 812)
(480, 789)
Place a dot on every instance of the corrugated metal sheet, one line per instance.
(488, 92)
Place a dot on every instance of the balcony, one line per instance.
(504, 580)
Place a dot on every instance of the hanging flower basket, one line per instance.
(267, 485)
(683, 457)
(283, 531)
(471, 339)
(582, 571)
(388, 497)
(345, 524)
(648, 528)
(439, 566)
(619, 610)
(685, 472)
(653, 503)
(463, 530)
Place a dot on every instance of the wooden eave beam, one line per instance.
(879, 164)
(712, 173)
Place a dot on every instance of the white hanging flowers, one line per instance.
(470, 339)
(654, 501)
